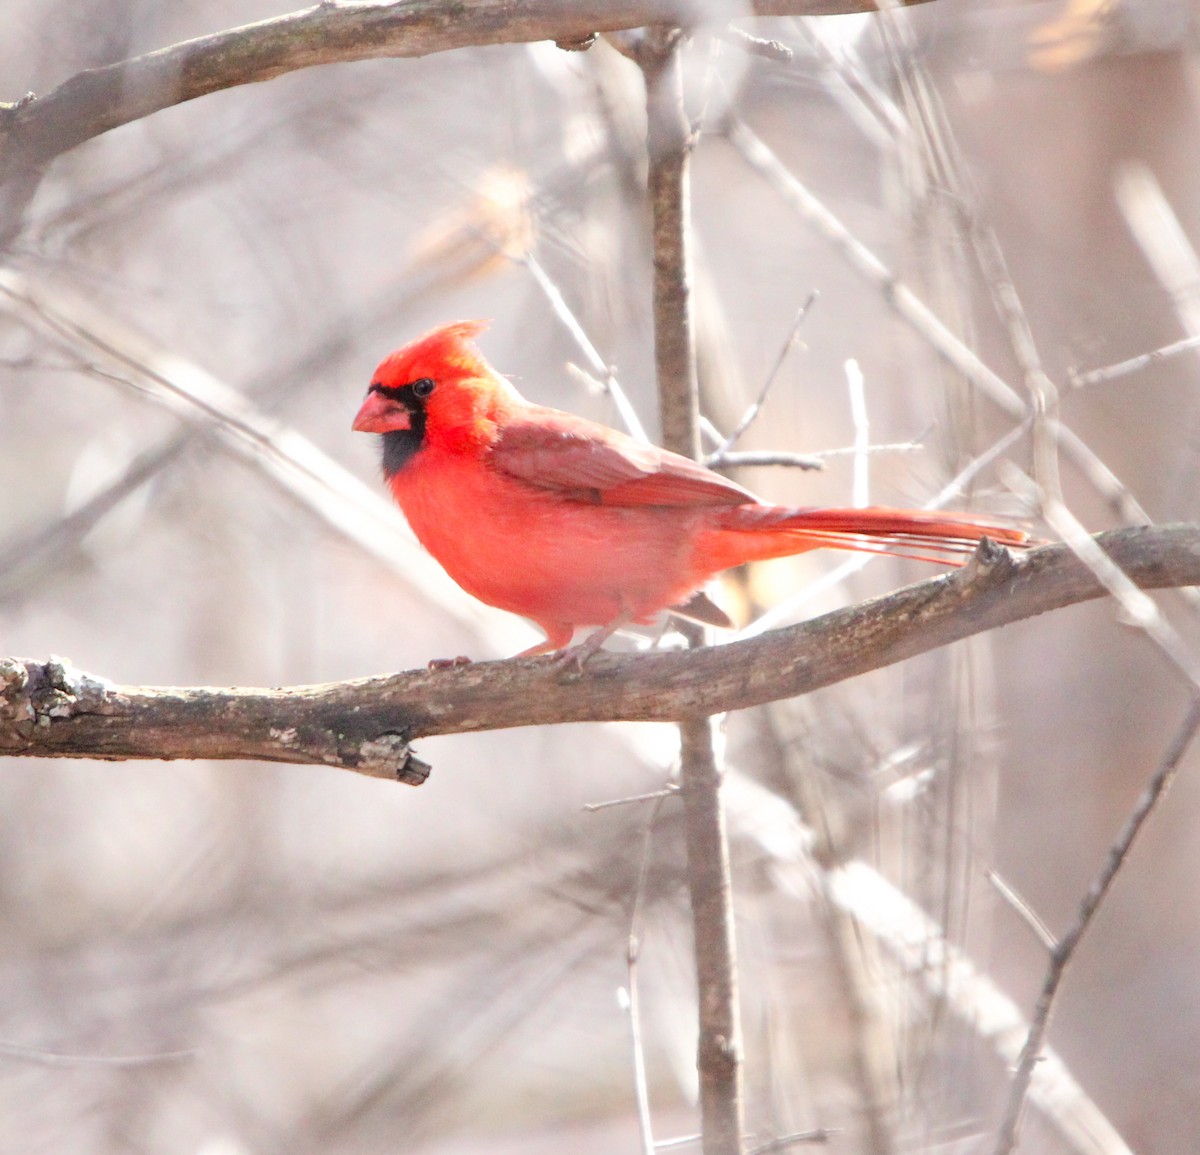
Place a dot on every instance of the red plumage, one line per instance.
(569, 523)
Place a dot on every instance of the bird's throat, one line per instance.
(400, 445)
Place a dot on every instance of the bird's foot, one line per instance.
(576, 657)
(448, 663)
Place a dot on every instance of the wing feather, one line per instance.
(590, 463)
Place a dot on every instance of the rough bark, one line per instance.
(51, 710)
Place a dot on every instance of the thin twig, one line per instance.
(1133, 364)
(783, 1142)
(861, 487)
(914, 940)
(749, 416)
(914, 312)
(1064, 952)
(652, 796)
(26, 552)
(60, 1059)
(1138, 607)
(604, 374)
(815, 460)
(1024, 911)
(1163, 241)
(774, 50)
(307, 475)
(852, 86)
(916, 446)
(946, 169)
(853, 979)
(786, 610)
(751, 457)
(633, 954)
(922, 951)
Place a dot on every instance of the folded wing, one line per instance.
(589, 463)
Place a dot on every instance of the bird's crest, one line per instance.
(448, 346)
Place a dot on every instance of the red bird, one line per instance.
(569, 523)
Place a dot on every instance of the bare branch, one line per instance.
(34, 130)
(59, 1059)
(48, 707)
(1133, 364)
(1064, 952)
(919, 946)
(633, 953)
(755, 408)
(783, 1142)
(735, 459)
(669, 141)
(605, 377)
(921, 319)
(50, 710)
(1018, 904)
(774, 50)
(915, 942)
(719, 1058)
(669, 147)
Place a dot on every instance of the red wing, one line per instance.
(588, 462)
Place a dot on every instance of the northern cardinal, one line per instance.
(570, 523)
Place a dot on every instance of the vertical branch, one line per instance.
(669, 144)
(719, 1056)
(669, 141)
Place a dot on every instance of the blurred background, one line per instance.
(244, 958)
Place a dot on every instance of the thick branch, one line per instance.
(99, 99)
(362, 725)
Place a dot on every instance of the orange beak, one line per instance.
(380, 414)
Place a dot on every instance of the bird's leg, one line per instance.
(578, 655)
(558, 636)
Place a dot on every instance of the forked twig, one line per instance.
(1064, 952)
(603, 371)
(914, 312)
(756, 407)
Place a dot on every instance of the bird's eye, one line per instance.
(423, 387)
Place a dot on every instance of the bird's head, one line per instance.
(436, 390)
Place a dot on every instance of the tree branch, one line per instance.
(34, 130)
(669, 142)
(99, 99)
(51, 710)
(668, 190)
(1063, 953)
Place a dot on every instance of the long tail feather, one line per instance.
(921, 534)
